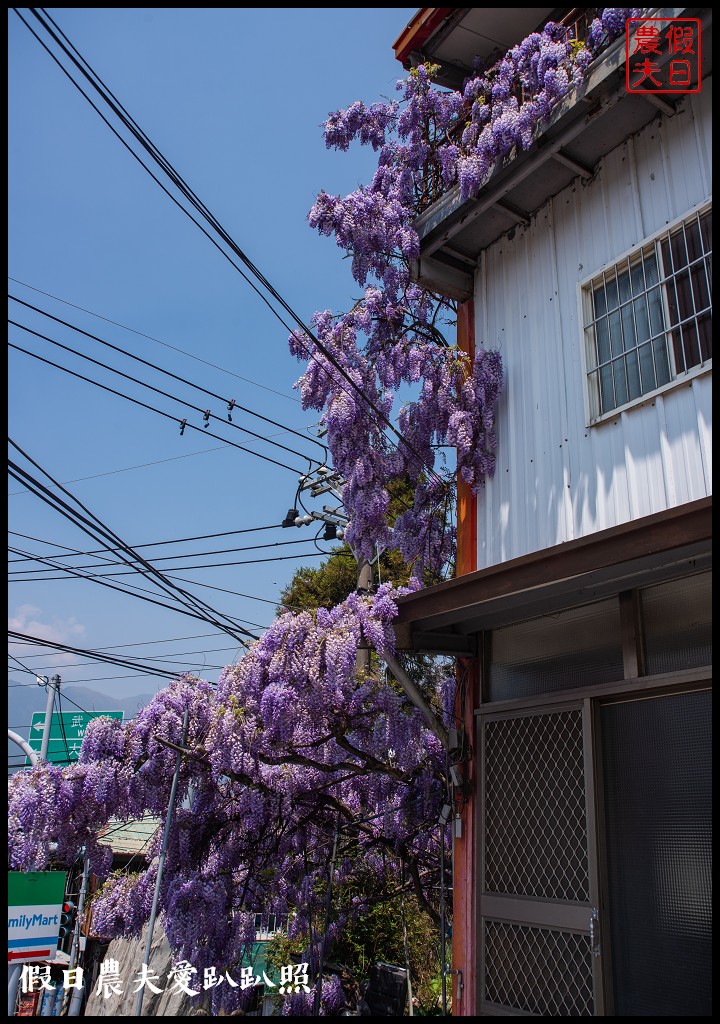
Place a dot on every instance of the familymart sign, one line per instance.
(35, 902)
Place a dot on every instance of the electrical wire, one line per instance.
(97, 679)
(108, 97)
(146, 643)
(140, 334)
(172, 558)
(231, 403)
(181, 568)
(147, 544)
(101, 532)
(184, 425)
(157, 156)
(164, 660)
(133, 591)
(96, 529)
(92, 714)
(129, 469)
(109, 659)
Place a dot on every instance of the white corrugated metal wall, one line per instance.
(556, 478)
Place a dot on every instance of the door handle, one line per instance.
(594, 933)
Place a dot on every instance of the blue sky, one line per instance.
(235, 99)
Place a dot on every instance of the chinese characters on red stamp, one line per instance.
(663, 55)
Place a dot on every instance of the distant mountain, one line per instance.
(24, 701)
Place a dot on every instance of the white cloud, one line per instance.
(28, 619)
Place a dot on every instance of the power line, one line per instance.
(171, 657)
(134, 591)
(184, 425)
(182, 568)
(95, 528)
(174, 348)
(92, 714)
(171, 558)
(81, 682)
(145, 643)
(94, 655)
(128, 469)
(231, 403)
(105, 93)
(148, 544)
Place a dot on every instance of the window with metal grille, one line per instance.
(648, 319)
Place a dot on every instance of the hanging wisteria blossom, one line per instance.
(294, 747)
(393, 338)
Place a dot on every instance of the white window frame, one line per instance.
(585, 308)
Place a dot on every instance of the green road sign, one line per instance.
(66, 733)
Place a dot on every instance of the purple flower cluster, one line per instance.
(394, 336)
(291, 744)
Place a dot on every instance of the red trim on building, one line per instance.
(463, 939)
(418, 31)
(466, 500)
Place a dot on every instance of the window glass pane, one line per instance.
(567, 650)
(628, 327)
(616, 341)
(633, 375)
(651, 269)
(603, 340)
(642, 321)
(691, 345)
(700, 287)
(621, 391)
(606, 387)
(677, 245)
(705, 332)
(647, 368)
(660, 297)
(706, 230)
(655, 307)
(638, 279)
(677, 620)
(612, 292)
(662, 360)
(692, 240)
(599, 301)
(624, 287)
(672, 301)
(684, 295)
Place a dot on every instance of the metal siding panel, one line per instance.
(547, 489)
(683, 436)
(702, 388)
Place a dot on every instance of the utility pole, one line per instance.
(161, 860)
(78, 993)
(328, 903)
(52, 687)
(364, 587)
(443, 950)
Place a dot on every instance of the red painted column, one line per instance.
(464, 885)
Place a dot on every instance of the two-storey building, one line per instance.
(581, 612)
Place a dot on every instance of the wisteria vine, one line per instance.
(393, 338)
(288, 748)
(293, 746)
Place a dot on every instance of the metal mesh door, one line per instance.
(536, 886)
